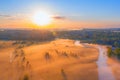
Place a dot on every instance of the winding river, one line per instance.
(104, 71)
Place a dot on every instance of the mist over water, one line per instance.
(104, 71)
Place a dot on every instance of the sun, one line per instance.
(41, 19)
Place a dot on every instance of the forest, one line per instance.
(109, 37)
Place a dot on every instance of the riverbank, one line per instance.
(108, 68)
(115, 66)
(104, 71)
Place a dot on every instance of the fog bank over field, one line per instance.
(60, 58)
(67, 55)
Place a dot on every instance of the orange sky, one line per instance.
(56, 23)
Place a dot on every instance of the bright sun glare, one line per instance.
(41, 19)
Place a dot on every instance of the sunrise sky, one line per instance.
(68, 14)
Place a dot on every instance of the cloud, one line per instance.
(59, 17)
(11, 17)
(8, 17)
(1, 15)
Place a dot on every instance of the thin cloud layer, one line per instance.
(1, 15)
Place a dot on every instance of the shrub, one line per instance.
(47, 55)
(26, 77)
(109, 52)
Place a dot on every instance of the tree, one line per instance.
(117, 52)
(109, 52)
(116, 44)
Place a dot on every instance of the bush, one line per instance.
(109, 52)
(26, 77)
(117, 52)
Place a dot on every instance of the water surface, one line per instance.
(104, 71)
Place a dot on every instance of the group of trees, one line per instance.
(115, 52)
(106, 37)
(30, 35)
(110, 37)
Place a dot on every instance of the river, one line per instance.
(104, 71)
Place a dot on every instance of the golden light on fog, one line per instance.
(41, 19)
